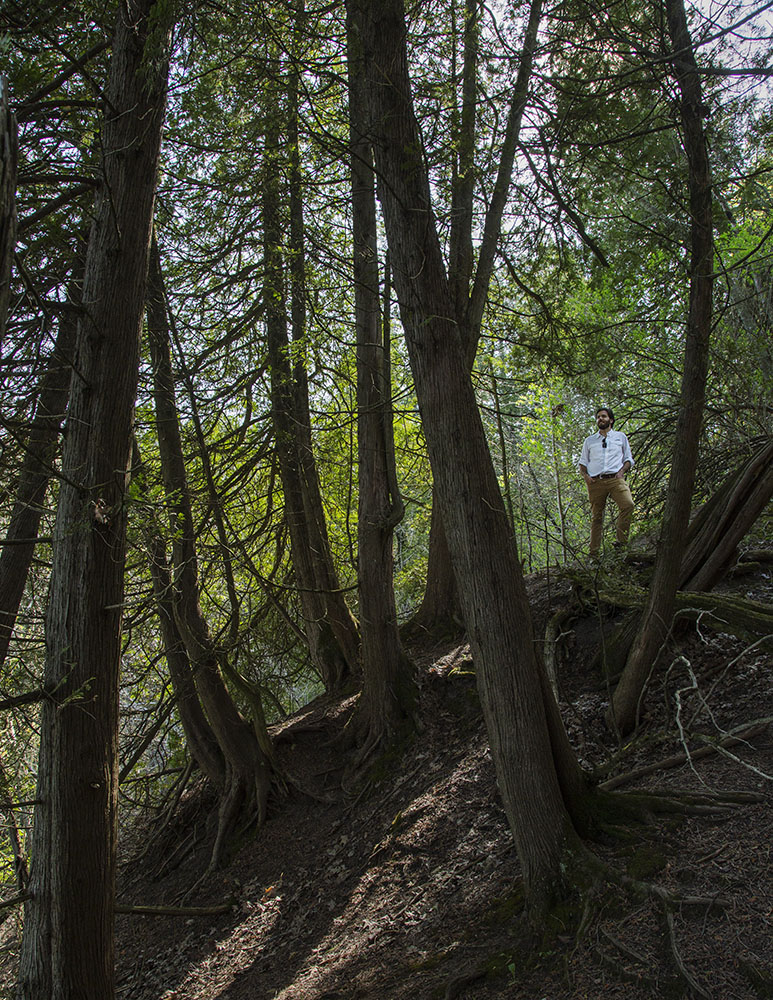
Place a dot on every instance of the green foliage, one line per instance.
(587, 303)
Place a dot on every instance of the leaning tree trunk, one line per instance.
(67, 948)
(537, 799)
(387, 694)
(34, 476)
(245, 751)
(439, 610)
(199, 736)
(719, 526)
(656, 620)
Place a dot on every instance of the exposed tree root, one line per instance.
(553, 644)
(244, 791)
(180, 853)
(624, 949)
(373, 736)
(605, 882)
(302, 789)
(613, 812)
(640, 978)
(456, 986)
(681, 968)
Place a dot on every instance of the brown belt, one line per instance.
(607, 475)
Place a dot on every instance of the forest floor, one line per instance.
(407, 887)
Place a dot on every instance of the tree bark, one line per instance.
(656, 620)
(720, 525)
(246, 752)
(330, 629)
(439, 610)
(201, 740)
(527, 748)
(387, 695)
(67, 948)
(439, 613)
(34, 476)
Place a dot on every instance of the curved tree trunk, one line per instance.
(387, 696)
(67, 948)
(201, 740)
(528, 750)
(245, 751)
(656, 620)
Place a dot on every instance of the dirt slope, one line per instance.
(407, 888)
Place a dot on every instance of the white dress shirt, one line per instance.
(599, 460)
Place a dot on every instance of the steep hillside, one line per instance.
(406, 887)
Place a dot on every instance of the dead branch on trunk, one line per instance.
(15, 900)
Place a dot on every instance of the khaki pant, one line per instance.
(598, 491)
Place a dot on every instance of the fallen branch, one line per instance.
(175, 911)
(676, 956)
(738, 735)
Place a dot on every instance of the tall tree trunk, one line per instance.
(343, 646)
(387, 692)
(656, 621)
(439, 613)
(460, 255)
(330, 631)
(246, 751)
(67, 948)
(439, 610)
(8, 166)
(34, 476)
(528, 751)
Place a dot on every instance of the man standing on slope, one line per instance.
(605, 459)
